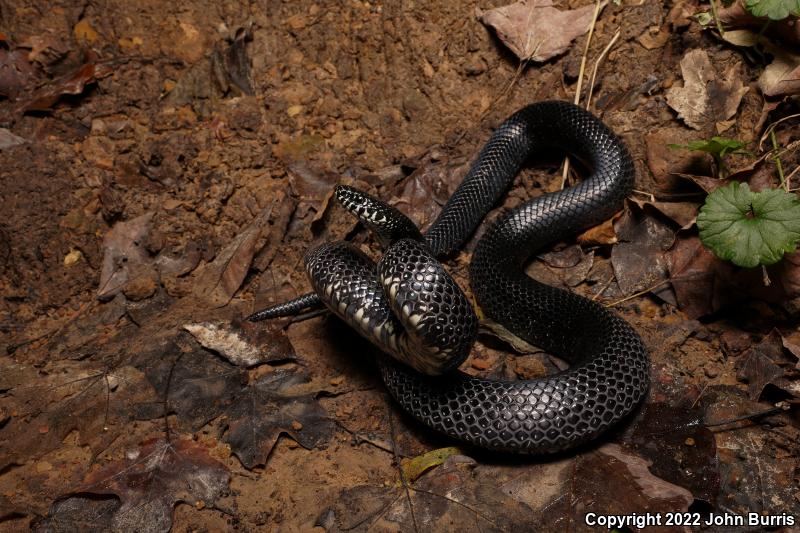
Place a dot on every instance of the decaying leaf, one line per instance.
(149, 482)
(8, 139)
(706, 98)
(704, 284)
(273, 405)
(426, 190)
(246, 346)
(638, 259)
(72, 396)
(124, 253)
(534, 30)
(556, 495)
(74, 83)
(15, 72)
(782, 76)
(222, 278)
(603, 233)
(231, 66)
(767, 363)
(758, 467)
(673, 437)
(80, 513)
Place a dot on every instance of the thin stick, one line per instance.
(400, 470)
(600, 59)
(597, 8)
(640, 293)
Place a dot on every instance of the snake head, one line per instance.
(387, 223)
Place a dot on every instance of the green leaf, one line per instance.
(774, 9)
(750, 228)
(717, 146)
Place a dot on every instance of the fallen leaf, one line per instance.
(71, 397)
(683, 214)
(221, 279)
(423, 193)
(568, 267)
(123, 253)
(8, 139)
(706, 99)
(44, 98)
(601, 234)
(638, 259)
(767, 363)
(736, 16)
(151, 480)
(758, 467)
(704, 284)
(534, 30)
(273, 405)
(16, 72)
(46, 49)
(782, 76)
(666, 164)
(244, 346)
(682, 450)
(414, 468)
(231, 65)
(79, 513)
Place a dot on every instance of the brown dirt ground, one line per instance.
(359, 92)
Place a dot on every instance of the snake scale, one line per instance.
(409, 306)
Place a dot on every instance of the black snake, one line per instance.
(409, 306)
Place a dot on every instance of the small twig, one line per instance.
(778, 160)
(462, 504)
(640, 293)
(360, 438)
(604, 288)
(752, 416)
(403, 479)
(597, 8)
(716, 18)
(600, 59)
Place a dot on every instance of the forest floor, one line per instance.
(164, 167)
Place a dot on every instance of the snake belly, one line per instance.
(608, 374)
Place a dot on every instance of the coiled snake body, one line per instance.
(409, 306)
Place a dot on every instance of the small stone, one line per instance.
(199, 504)
(297, 426)
(711, 371)
(689, 441)
(338, 380)
(140, 288)
(72, 257)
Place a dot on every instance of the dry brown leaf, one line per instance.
(149, 483)
(782, 76)
(8, 139)
(73, 83)
(243, 346)
(124, 252)
(601, 234)
(706, 99)
(222, 278)
(534, 30)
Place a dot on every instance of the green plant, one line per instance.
(718, 147)
(750, 228)
(773, 9)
